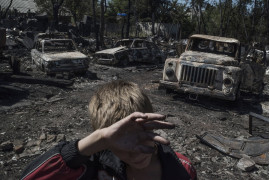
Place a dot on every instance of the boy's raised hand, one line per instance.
(134, 133)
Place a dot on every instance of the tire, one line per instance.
(51, 74)
(43, 68)
(15, 64)
(238, 94)
(124, 62)
(81, 73)
(156, 61)
(159, 61)
(169, 91)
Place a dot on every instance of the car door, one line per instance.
(152, 51)
(140, 50)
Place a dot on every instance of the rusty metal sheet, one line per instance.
(216, 38)
(208, 58)
(257, 149)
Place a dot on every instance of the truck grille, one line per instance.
(197, 75)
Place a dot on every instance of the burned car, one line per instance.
(209, 66)
(130, 50)
(58, 55)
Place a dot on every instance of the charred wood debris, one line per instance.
(18, 73)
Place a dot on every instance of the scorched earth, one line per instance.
(38, 111)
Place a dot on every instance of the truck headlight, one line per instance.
(169, 72)
(227, 82)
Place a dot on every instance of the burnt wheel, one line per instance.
(169, 91)
(81, 73)
(124, 62)
(238, 94)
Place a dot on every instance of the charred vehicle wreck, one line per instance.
(56, 54)
(130, 50)
(209, 66)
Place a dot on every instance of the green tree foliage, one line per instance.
(78, 8)
(179, 14)
(52, 8)
(246, 20)
(115, 7)
(45, 6)
(3, 12)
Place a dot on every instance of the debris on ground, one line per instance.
(256, 148)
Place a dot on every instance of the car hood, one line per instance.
(208, 58)
(111, 51)
(63, 55)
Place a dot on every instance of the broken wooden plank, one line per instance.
(34, 80)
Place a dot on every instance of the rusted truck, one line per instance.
(209, 66)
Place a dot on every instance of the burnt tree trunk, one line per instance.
(123, 27)
(128, 19)
(136, 18)
(95, 24)
(102, 24)
(153, 8)
(74, 11)
(253, 36)
(56, 6)
(202, 19)
(5, 13)
(198, 16)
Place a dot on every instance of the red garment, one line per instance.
(64, 162)
(187, 164)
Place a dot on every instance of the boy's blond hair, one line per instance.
(116, 100)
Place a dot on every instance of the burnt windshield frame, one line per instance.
(215, 47)
(126, 43)
(59, 46)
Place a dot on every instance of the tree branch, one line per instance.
(5, 14)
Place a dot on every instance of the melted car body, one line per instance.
(130, 50)
(58, 55)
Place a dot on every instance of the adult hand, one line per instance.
(131, 133)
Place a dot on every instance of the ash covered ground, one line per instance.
(36, 115)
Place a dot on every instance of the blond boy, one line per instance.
(122, 146)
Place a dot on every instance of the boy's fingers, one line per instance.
(151, 117)
(137, 115)
(158, 125)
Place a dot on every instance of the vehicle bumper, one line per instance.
(184, 88)
(60, 69)
(106, 61)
